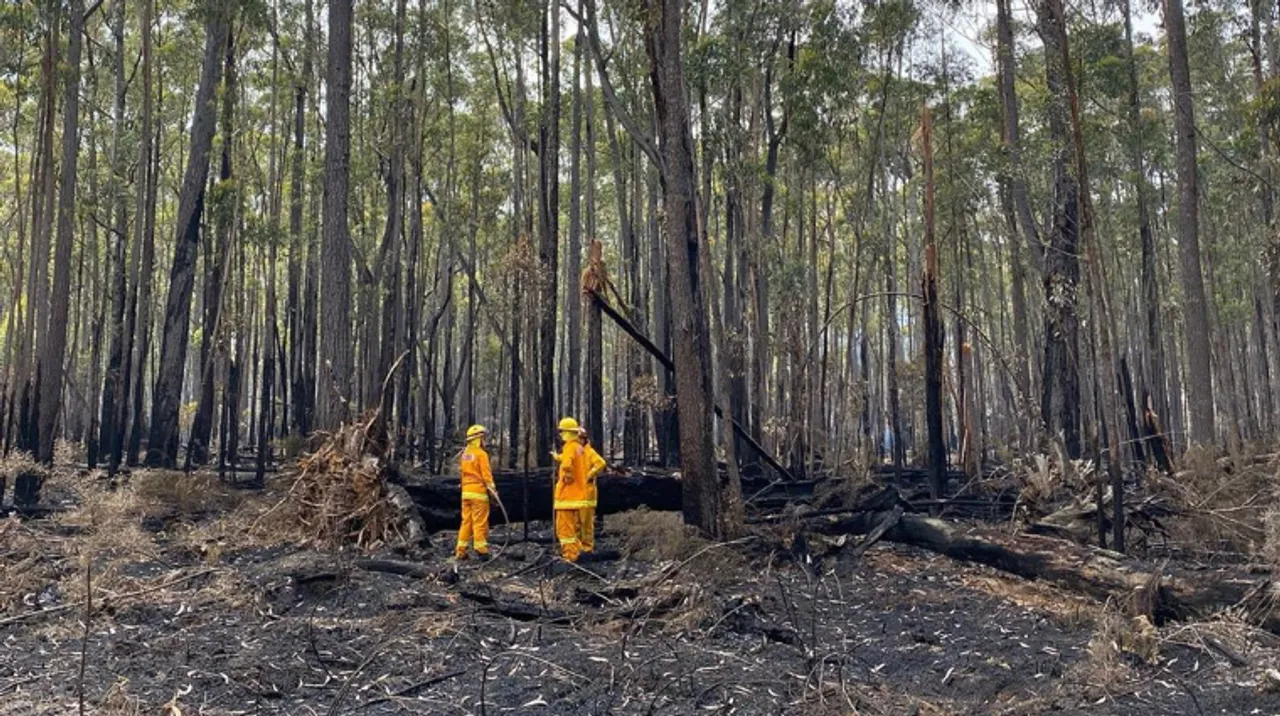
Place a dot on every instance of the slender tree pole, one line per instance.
(335, 371)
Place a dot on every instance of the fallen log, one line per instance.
(1180, 595)
(439, 498)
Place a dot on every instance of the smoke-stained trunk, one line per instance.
(114, 382)
(704, 496)
(1060, 399)
(162, 445)
(217, 264)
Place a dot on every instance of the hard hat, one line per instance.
(569, 425)
(476, 431)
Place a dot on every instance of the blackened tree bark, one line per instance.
(54, 348)
(1198, 329)
(391, 263)
(300, 338)
(1259, 49)
(1107, 385)
(113, 381)
(573, 309)
(549, 234)
(335, 254)
(162, 444)
(1155, 361)
(270, 329)
(217, 264)
(1060, 398)
(145, 236)
(937, 456)
(704, 496)
(42, 215)
(593, 388)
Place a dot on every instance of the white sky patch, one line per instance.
(966, 30)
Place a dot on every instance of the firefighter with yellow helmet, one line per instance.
(587, 515)
(571, 491)
(477, 485)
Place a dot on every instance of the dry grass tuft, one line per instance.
(1224, 503)
(663, 537)
(24, 565)
(655, 536)
(1106, 666)
(118, 701)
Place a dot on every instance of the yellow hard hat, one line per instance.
(476, 431)
(568, 425)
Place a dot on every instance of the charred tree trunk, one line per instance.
(300, 391)
(1060, 401)
(162, 445)
(704, 503)
(1155, 361)
(573, 306)
(140, 306)
(937, 456)
(54, 347)
(217, 265)
(113, 382)
(549, 236)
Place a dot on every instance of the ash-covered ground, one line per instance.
(206, 602)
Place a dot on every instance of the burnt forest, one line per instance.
(639, 357)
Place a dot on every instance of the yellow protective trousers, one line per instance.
(587, 528)
(475, 526)
(568, 530)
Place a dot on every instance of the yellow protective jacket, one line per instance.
(477, 477)
(595, 466)
(571, 480)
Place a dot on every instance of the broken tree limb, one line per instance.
(1181, 595)
(891, 520)
(667, 363)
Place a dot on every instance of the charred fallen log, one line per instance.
(438, 497)
(1165, 594)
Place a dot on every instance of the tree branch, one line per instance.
(642, 140)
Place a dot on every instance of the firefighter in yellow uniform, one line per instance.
(587, 515)
(477, 485)
(570, 490)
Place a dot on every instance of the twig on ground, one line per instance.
(415, 688)
(84, 644)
